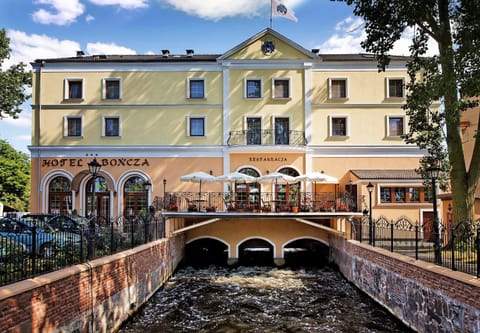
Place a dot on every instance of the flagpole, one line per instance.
(271, 14)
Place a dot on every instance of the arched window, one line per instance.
(59, 196)
(135, 196)
(288, 193)
(248, 194)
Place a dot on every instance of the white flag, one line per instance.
(279, 9)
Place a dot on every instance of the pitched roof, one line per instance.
(402, 174)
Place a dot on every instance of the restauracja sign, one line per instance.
(81, 163)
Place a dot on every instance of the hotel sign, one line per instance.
(83, 163)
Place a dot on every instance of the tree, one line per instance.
(14, 177)
(13, 82)
(454, 26)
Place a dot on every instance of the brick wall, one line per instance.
(93, 297)
(426, 297)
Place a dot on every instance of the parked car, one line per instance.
(64, 223)
(21, 232)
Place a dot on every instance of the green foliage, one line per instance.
(454, 26)
(14, 177)
(13, 82)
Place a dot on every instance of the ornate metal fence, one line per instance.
(460, 245)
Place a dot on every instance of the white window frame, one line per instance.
(330, 87)
(347, 125)
(204, 126)
(388, 117)
(66, 87)
(104, 133)
(245, 84)
(387, 82)
(65, 126)
(204, 87)
(104, 88)
(289, 87)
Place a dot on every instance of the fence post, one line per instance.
(416, 241)
(391, 236)
(34, 249)
(82, 236)
(132, 222)
(361, 224)
(478, 250)
(111, 236)
(452, 244)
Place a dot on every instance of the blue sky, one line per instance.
(58, 28)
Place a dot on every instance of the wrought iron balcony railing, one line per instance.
(266, 137)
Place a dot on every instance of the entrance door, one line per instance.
(428, 226)
(102, 198)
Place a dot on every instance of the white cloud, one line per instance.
(350, 32)
(63, 12)
(105, 48)
(125, 4)
(27, 48)
(89, 18)
(217, 10)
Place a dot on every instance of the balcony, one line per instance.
(265, 202)
(266, 137)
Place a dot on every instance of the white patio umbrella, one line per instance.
(198, 177)
(277, 178)
(317, 177)
(236, 177)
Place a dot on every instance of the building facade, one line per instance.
(266, 105)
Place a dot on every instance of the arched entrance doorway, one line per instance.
(59, 196)
(135, 196)
(101, 196)
(248, 194)
(287, 195)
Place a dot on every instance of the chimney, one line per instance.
(165, 53)
(80, 53)
(316, 51)
(189, 52)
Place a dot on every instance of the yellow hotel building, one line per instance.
(264, 106)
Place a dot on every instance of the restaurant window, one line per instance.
(395, 88)
(254, 131)
(248, 194)
(337, 88)
(196, 88)
(338, 126)
(196, 126)
(73, 126)
(59, 196)
(282, 130)
(281, 88)
(395, 126)
(111, 126)
(253, 88)
(73, 89)
(135, 196)
(403, 194)
(111, 88)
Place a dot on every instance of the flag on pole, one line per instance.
(279, 9)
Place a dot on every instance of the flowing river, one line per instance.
(263, 300)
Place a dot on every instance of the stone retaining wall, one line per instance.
(426, 297)
(97, 296)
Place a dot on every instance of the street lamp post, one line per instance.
(434, 172)
(164, 193)
(94, 169)
(147, 186)
(370, 221)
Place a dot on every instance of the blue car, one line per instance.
(22, 233)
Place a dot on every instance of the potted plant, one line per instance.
(211, 209)
(172, 207)
(294, 199)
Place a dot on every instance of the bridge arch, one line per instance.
(208, 250)
(255, 250)
(305, 251)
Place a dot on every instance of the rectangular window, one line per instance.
(395, 88)
(253, 88)
(414, 194)
(196, 126)
(282, 131)
(111, 88)
(111, 126)
(400, 194)
(403, 194)
(73, 88)
(338, 88)
(385, 194)
(254, 131)
(338, 126)
(196, 88)
(396, 126)
(73, 126)
(281, 88)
